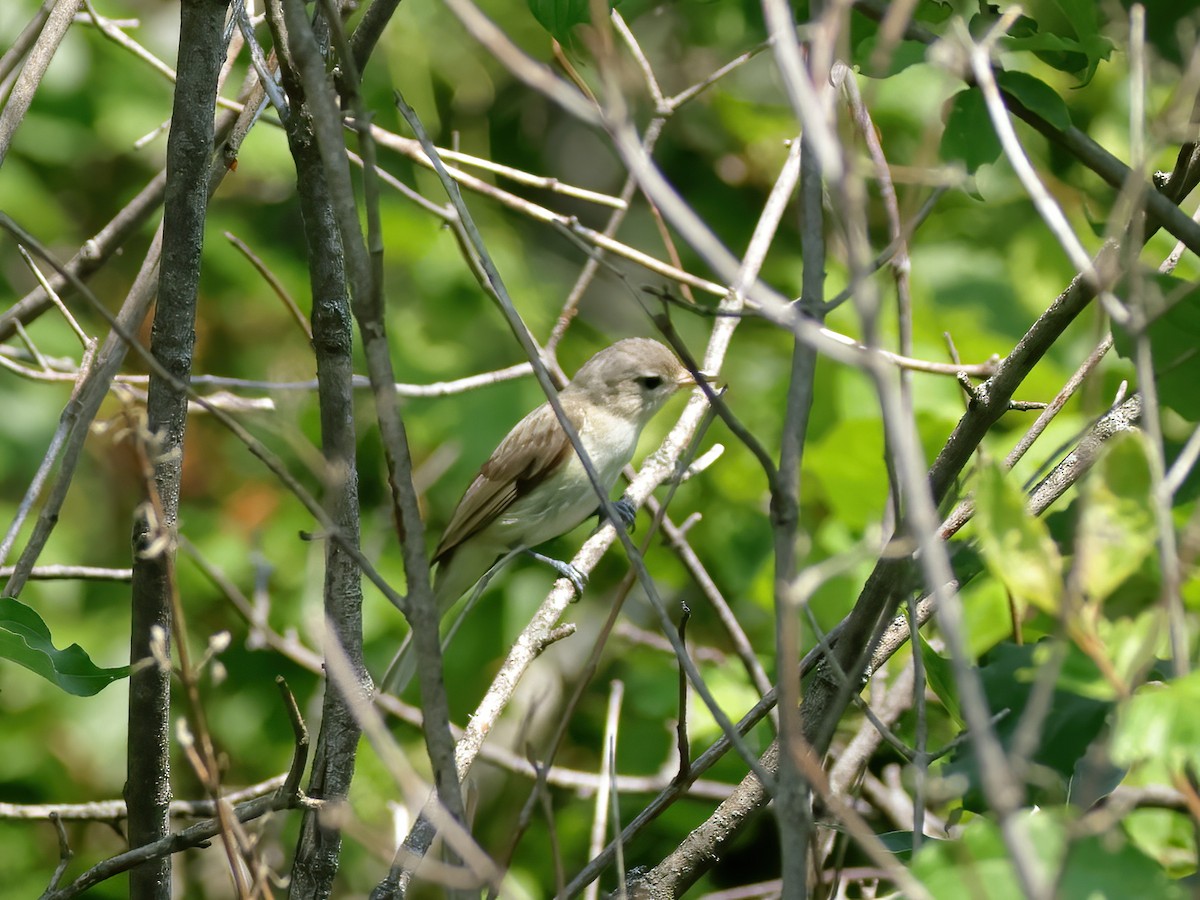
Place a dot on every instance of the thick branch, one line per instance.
(319, 848)
(189, 149)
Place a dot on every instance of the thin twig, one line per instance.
(608, 787)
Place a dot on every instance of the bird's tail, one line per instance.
(455, 575)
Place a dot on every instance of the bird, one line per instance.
(534, 487)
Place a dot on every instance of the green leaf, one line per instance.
(1037, 96)
(559, 16)
(1134, 643)
(1116, 531)
(1099, 867)
(25, 639)
(1159, 724)
(1084, 19)
(969, 137)
(1076, 717)
(1017, 547)
(940, 675)
(900, 843)
(1174, 343)
(903, 55)
(977, 858)
(1061, 53)
(1068, 39)
(1109, 865)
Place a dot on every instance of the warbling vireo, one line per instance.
(534, 487)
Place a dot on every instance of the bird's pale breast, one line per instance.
(567, 497)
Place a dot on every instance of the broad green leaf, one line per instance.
(1067, 38)
(1133, 644)
(1036, 96)
(1110, 865)
(559, 16)
(979, 858)
(969, 137)
(1084, 18)
(25, 639)
(1017, 547)
(988, 614)
(900, 843)
(1159, 724)
(1076, 718)
(903, 55)
(1174, 344)
(940, 675)
(1103, 867)
(1062, 53)
(1116, 531)
(1165, 836)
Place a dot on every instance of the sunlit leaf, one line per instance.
(1133, 644)
(1075, 45)
(940, 675)
(1104, 866)
(1159, 723)
(979, 857)
(1017, 547)
(1116, 531)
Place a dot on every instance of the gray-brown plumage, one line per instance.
(533, 487)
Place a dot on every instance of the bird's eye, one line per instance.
(650, 382)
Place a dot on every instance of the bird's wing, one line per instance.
(534, 449)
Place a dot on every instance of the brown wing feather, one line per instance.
(533, 449)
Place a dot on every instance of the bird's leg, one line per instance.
(564, 569)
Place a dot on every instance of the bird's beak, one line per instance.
(687, 379)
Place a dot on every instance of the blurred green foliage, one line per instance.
(983, 267)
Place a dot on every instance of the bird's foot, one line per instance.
(626, 512)
(626, 515)
(565, 570)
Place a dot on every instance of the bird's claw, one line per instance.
(626, 512)
(626, 515)
(565, 570)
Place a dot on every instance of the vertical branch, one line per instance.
(900, 265)
(792, 800)
(370, 29)
(189, 148)
(819, 153)
(318, 848)
(366, 292)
